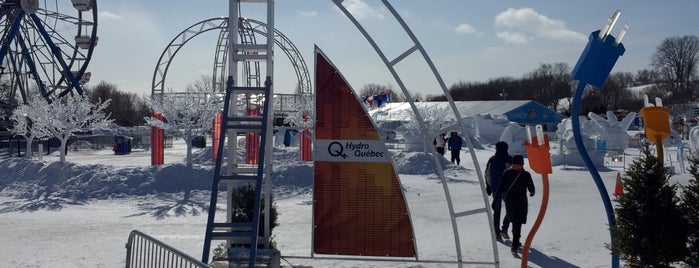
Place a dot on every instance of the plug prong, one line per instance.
(610, 24)
(622, 33)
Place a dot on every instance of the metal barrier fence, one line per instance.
(143, 250)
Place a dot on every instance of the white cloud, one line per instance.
(524, 24)
(361, 10)
(464, 28)
(312, 13)
(513, 37)
(106, 15)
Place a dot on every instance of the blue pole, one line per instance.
(11, 35)
(57, 53)
(575, 116)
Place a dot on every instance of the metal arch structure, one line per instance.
(390, 64)
(280, 40)
(160, 73)
(44, 47)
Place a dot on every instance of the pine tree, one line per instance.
(690, 208)
(244, 197)
(650, 230)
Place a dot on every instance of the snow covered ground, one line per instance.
(79, 214)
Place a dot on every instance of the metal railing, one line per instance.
(143, 250)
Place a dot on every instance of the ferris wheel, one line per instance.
(45, 48)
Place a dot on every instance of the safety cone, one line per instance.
(617, 188)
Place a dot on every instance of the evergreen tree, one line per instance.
(690, 207)
(650, 230)
(244, 198)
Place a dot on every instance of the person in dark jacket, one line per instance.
(513, 189)
(496, 166)
(454, 145)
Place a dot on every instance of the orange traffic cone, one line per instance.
(617, 188)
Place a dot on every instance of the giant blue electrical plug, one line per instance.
(600, 54)
(593, 67)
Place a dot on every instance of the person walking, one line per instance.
(513, 190)
(454, 145)
(439, 143)
(496, 166)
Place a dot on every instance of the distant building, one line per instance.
(523, 112)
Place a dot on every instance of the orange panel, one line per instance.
(359, 208)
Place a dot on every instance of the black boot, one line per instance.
(515, 244)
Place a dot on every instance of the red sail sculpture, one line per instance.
(359, 208)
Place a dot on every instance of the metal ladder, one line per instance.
(236, 175)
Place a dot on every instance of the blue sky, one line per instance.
(466, 40)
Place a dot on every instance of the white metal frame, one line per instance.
(426, 137)
(235, 57)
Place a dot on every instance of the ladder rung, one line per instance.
(239, 181)
(250, 57)
(251, 90)
(246, 118)
(236, 237)
(240, 178)
(248, 170)
(245, 123)
(247, 128)
(234, 225)
(224, 234)
(252, 47)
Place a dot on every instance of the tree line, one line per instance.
(672, 76)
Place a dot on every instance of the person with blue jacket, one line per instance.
(497, 164)
(454, 145)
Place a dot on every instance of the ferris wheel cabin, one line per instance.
(82, 5)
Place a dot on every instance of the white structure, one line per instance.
(601, 137)
(515, 135)
(486, 121)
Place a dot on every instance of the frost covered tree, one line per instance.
(437, 119)
(304, 114)
(62, 118)
(650, 230)
(24, 126)
(188, 114)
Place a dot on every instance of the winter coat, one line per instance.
(455, 142)
(497, 164)
(515, 197)
(439, 141)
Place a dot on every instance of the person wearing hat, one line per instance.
(513, 190)
(497, 164)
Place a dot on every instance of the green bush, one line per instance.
(244, 198)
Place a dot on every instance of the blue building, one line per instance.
(523, 112)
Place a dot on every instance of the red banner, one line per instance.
(359, 208)
(306, 149)
(252, 141)
(216, 135)
(157, 142)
